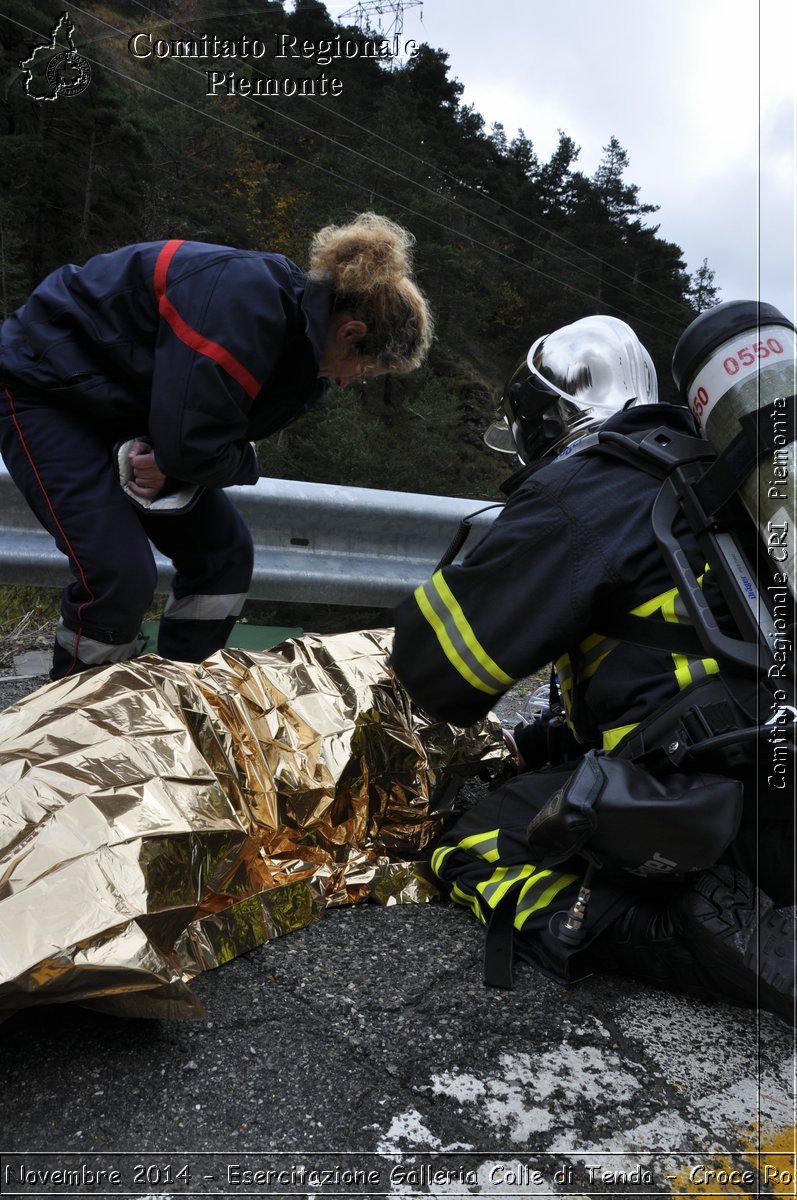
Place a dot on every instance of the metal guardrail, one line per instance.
(314, 543)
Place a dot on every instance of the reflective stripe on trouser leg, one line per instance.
(474, 884)
(91, 652)
(534, 897)
(204, 608)
(483, 863)
(486, 856)
(194, 627)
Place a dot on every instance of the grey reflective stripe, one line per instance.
(697, 669)
(204, 608)
(501, 881)
(532, 891)
(443, 614)
(679, 608)
(604, 646)
(535, 895)
(91, 651)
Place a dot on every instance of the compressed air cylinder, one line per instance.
(733, 360)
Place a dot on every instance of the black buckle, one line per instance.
(707, 722)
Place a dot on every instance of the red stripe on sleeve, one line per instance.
(190, 336)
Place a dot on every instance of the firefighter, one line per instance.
(573, 547)
(132, 389)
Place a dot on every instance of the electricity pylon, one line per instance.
(362, 15)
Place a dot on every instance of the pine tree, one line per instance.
(702, 292)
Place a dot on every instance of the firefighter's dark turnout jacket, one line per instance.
(200, 348)
(573, 544)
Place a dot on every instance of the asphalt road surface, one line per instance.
(361, 1056)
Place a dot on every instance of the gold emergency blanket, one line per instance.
(159, 818)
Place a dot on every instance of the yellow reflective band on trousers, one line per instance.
(539, 888)
(502, 879)
(538, 892)
(483, 844)
(468, 900)
(439, 856)
(457, 639)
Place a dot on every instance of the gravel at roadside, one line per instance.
(14, 688)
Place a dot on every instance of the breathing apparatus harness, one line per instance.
(718, 724)
(735, 367)
(703, 721)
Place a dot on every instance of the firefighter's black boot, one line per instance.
(647, 943)
(720, 939)
(744, 943)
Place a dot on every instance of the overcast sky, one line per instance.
(702, 95)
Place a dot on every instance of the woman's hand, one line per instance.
(148, 479)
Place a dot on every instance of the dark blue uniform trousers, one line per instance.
(66, 471)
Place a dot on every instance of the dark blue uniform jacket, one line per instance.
(201, 347)
(573, 544)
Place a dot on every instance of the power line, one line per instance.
(668, 316)
(512, 212)
(379, 5)
(335, 174)
(545, 250)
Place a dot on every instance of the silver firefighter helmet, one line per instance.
(569, 384)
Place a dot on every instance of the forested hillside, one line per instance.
(509, 246)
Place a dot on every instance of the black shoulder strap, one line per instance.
(657, 452)
(682, 462)
(653, 634)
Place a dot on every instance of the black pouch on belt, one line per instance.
(622, 819)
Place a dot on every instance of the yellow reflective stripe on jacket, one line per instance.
(664, 603)
(693, 670)
(564, 675)
(592, 651)
(688, 669)
(564, 670)
(532, 899)
(613, 737)
(457, 639)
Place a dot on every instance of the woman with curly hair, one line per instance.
(132, 388)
